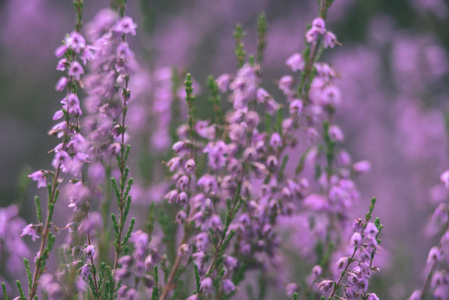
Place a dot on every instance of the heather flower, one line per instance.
(223, 82)
(206, 285)
(61, 84)
(230, 262)
(325, 287)
(275, 141)
(434, 255)
(362, 166)
(148, 281)
(356, 239)
(72, 104)
(319, 25)
(126, 25)
(30, 229)
(75, 70)
(40, 177)
(445, 178)
(75, 41)
(336, 134)
(90, 251)
(60, 51)
(291, 288)
(295, 62)
(58, 115)
(228, 286)
(295, 107)
(285, 84)
(330, 40)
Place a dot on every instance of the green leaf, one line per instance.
(197, 279)
(27, 267)
(128, 233)
(19, 287)
(239, 51)
(38, 208)
(155, 294)
(262, 28)
(5, 295)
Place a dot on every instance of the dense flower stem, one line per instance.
(189, 99)
(53, 191)
(351, 258)
(51, 202)
(168, 286)
(122, 168)
(94, 273)
(342, 275)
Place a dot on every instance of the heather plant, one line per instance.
(220, 199)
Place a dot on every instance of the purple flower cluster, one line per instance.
(358, 267)
(70, 155)
(109, 72)
(247, 178)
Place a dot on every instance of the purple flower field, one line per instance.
(234, 149)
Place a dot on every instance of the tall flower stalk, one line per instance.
(69, 155)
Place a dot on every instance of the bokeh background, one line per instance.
(394, 64)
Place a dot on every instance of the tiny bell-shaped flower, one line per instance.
(190, 166)
(341, 263)
(206, 285)
(434, 255)
(40, 177)
(319, 25)
(30, 229)
(295, 62)
(330, 40)
(362, 166)
(90, 251)
(356, 239)
(228, 286)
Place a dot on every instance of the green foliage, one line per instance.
(5, 295)
(278, 122)
(27, 267)
(262, 28)
(38, 209)
(19, 287)
(155, 294)
(215, 101)
(128, 233)
(197, 279)
(239, 50)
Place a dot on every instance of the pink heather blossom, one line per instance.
(40, 177)
(362, 166)
(76, 70)
(90, 251)
(319, 25)
(75, 41)
(61, 84)
(330, 40)
(30, 229)
(295, 62)
(445, 178)
(126, 25)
